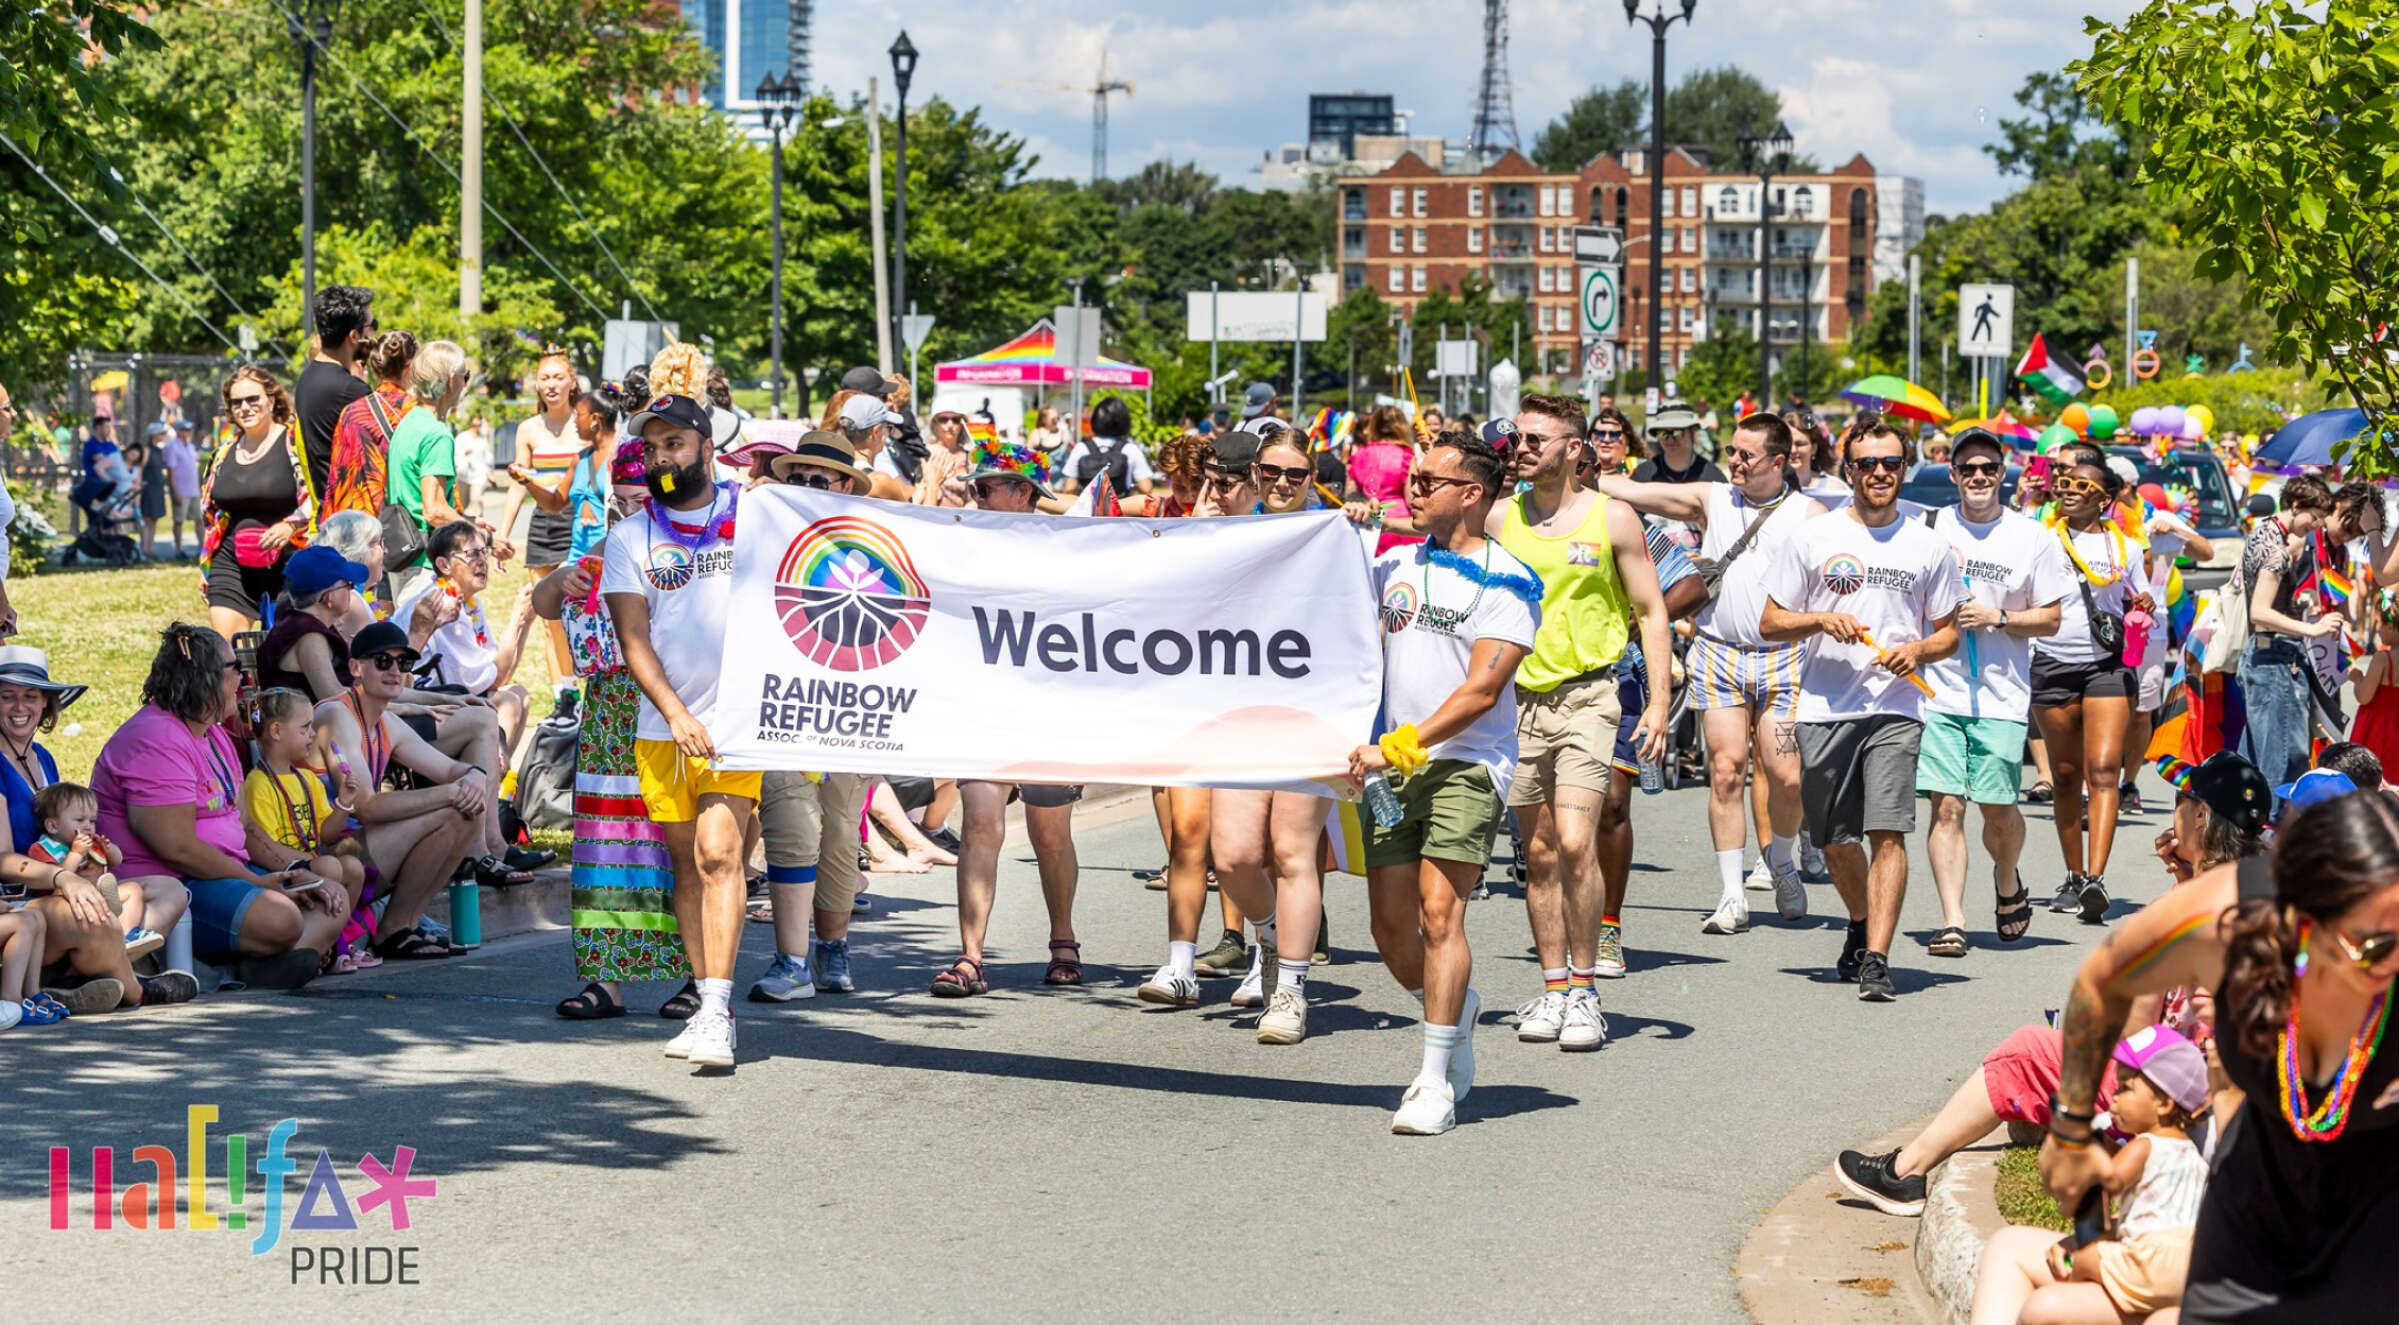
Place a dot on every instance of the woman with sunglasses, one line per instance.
(2302, 951)
(2082, 687)
(257, 505)
(2218, 815)
(1614, 444)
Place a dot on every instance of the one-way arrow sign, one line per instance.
(1598, 245)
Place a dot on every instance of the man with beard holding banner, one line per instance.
(1459, 613)
(668, 577)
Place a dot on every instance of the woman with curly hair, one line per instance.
(1182, 461)
(2303, 951)
(257, 506)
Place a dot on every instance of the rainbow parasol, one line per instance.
(1896, 396)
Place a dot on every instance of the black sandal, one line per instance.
(595, 1003)
(684, 1005)
(2041, 794)
(413, 945)
(493, 872)
(2014, 915)
(1950, 942)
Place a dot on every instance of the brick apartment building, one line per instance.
(1412, 228)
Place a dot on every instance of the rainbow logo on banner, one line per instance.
(850, 598)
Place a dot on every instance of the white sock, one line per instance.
(1292, 975)
(1438, 1042)
(1265, 930)
(1728, 874)
(715, 996)
(1257, 954)
(1183, 957)
(1779, 851)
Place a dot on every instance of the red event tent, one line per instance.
(1032, 359)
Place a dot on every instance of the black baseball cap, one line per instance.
(867, 378)
(382, 637)
(1236, 450)
(2232, 787)
(1500, 434)
(682, 411)
(1978, 437)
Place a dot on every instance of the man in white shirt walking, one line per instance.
(1976, 721)
(1884, 594)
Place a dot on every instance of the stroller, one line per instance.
(105, 508)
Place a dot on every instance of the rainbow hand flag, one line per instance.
(2337, 587)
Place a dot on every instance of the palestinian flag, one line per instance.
(2052, 380)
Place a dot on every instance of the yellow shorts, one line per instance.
(672, 782)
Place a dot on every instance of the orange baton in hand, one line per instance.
(1866, 637)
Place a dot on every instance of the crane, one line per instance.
(1099, 89)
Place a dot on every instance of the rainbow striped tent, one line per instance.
(1032, 359)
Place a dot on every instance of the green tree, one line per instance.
(2277, 133)
(1721, 367)
(1604, 119)
(1712, 108)
(2064, 133)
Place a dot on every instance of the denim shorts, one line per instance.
(218, 906)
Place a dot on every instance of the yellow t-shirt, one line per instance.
(1586, 615)
(271, 808)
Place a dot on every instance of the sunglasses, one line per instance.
(1423, 484)
(805, 477)
(1978, 469)
(2369, 952)
(1279, 474)
(1224, 479)
(2070, 486)
(387, 661)
(246, 402)
(1889, 464)
(1613, 436)
(987, 488)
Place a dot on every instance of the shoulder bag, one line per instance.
(403, 536)
(1712, 569)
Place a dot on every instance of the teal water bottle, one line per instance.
(466, 913)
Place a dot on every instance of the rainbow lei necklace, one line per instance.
(2331, 1114)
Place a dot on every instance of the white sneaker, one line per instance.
(1539, 1021)
(1585, 1028)
(712, 1040)
(1811, 861)
(1761, 877)
(1461, 1059)
(1286, 1019)
(1790, 894)
(1427, 1109)
(680, 1046)
(1252, 993)
(1164, 986)
(1731, 916)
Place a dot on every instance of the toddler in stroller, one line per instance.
(110, 498)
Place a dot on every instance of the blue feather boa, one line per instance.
(1527, 586)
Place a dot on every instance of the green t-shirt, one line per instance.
(421, 447)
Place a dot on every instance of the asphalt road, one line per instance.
(1032, 1154)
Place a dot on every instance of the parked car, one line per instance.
(2218, 511)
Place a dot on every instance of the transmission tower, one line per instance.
(1495, 105)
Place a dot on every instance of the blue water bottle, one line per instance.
(466, 913)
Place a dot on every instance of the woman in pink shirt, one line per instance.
(1378, 466)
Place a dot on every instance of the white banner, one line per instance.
(875, 637)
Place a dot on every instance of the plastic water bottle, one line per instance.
(1653, 777)
(2137, 625)
(1382, 802)
(466, 913)
(178, 955)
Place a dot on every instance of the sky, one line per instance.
(1917, 85)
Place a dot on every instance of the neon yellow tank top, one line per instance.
(1586, 615)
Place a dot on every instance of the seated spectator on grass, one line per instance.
(2031, 1276)
(82, 953)
(306, 650)
(2218, 817)
(415, 839)
(169, 783)
(287, 810)
(465, 652)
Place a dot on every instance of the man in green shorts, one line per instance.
(1596, 579)
(1459, 613)
(1974, 725)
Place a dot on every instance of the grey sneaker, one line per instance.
(1286, 1019)
(785, 980)
(831, 958)
(2069, 895)
(1874, 978)
(1230, 957)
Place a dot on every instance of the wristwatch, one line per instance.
(2003, 618)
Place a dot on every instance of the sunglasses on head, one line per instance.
(1889, 464)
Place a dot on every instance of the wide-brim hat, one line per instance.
(763, 438)
(823, 448)
(1673, 417)
(25, 665)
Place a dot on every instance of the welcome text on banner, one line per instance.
(874, 637)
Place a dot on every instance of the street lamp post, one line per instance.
(1769, 155)
(903, 67)
(778, 103)
(1658, 20)
(310, 28)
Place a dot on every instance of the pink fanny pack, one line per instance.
(249, 551)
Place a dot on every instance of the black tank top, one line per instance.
(2281, 1214)
(260, 492)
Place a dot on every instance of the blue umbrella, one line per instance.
(2307, 441)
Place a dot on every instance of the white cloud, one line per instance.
(1917, 85)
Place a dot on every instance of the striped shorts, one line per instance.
(1727, 676)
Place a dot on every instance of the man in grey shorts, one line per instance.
(1883, 593)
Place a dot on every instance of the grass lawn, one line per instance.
(101, 630)
(2022, 1198)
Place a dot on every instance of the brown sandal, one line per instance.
(963, 979)
(1064, 970)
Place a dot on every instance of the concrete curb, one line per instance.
(544, 903)
(1821, 1257)
(1961, 1211)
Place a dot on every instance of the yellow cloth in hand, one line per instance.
(1406, 753)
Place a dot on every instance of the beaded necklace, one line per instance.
(2331, 1114)
(711, 527)
(471, 610)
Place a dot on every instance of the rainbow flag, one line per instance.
(2337, 588)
